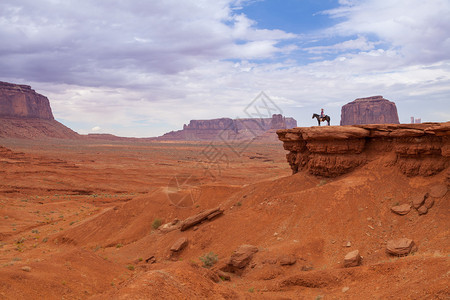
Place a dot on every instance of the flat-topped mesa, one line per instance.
(226, 128)
(330, 151)
(369, 110)
(27, 114)
(20, 101)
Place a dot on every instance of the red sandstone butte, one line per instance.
(23, 102)
(27, 114)
(370, 110)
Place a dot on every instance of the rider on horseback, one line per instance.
(322, 115)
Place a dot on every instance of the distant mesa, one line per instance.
(27, 114)
(230, 129)
(370, 110)
(20, 101)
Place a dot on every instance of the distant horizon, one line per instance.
(141, 69)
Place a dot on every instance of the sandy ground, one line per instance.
(77, 221)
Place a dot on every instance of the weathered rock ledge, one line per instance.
(330, 151)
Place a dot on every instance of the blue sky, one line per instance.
(143, 68)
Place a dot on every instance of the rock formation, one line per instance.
(370, 110)
(416, 149)
(229, 129)
(27, 114)
(22, 102)
(401, 246)
(352, 259)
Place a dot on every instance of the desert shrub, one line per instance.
(209, 259)
(156, 223)
(322, 182)
(130, 267)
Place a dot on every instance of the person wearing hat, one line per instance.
(322, 115)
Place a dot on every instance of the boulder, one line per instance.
(179, 245)
(151, 260)
(370, 110)
(401, 246)
(401, 209)
(422, 210)
(223, 275)
(287, 260)
(352, 259)
(240, 258)
(168, 227)
(438, 191)
(418, 199)
(429, 202)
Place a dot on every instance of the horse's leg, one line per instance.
(318, 121)
(328, 121)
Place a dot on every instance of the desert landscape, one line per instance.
(356, 211)
(225, 149)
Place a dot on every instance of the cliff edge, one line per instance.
(416, 149)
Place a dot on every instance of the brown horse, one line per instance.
(319, 119)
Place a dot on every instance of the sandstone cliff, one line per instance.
(23, 102)
(370, 110)
(227, 129)
(27, 114)
(416, 149)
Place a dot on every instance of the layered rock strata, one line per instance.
(20, 101)
(27, 114)
(417, 149)
(370, 110)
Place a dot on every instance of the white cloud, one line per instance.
(361, 44)
(420, 29)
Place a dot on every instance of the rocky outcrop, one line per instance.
(403, 209)
(20, 101)
(198, 218)
(417, 149)
(370, 110)
(27, 114)
(240, 258)
(229, 129)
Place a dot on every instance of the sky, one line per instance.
(145, 67)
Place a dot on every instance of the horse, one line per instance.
(319, 119)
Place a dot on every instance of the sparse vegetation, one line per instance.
(156, 223)
(239, 203)
(209, 259)
(251, 290)
(130, 267)
(322, 182)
